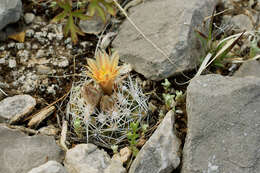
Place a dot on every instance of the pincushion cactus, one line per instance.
(103, 109)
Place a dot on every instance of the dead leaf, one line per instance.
(20, 37)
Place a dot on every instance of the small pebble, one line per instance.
(43, 69)
(20, 46)
(29, 17)
(11, 45)
(67, 41)
(51, 36)
(40, 53)
(12, 63)
(2, 60)
(35, 46)
(28, 45)
(29, 33)
(2, 48)
(63, 62)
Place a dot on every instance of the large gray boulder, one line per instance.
(10, 12)
(160, 154)
(20, 153)
(170, 25)
(223, 125)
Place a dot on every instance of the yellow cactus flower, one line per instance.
(104, 70)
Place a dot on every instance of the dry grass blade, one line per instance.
(204, 64)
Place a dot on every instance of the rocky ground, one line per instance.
(213, 128)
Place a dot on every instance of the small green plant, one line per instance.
(133, 136)
(179, 96)
(216, 50)
(254, 48)
(78, 127)
(169, 101)
(68, 12)
(99, 7)
(115, 149)
(166, 84)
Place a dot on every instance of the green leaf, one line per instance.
(101, 13)
(80, 15)
(91, 9)
(59, 17)
(110, 9)
(210, 35)
(254, 49)
(101, 8)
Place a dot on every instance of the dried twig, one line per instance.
(3, 92)
(23, 129)
(63, 135)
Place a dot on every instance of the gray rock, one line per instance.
(29, 33)
(29, 17)
(10, 12)
(160, 152)
(93, 26)
(250, 68)
(239, 22)
(115, 166)
(171, 29)
(19, 46)
(50, 130)
(49, 167)
(11, 45)
(223, 125)
(16, 107)
(12, 63)
(40, 53)
(43, 69)
(20, 153)
(62, 62)
(86, 158)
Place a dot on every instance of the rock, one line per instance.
(39, 117)
(49, 130)
(10, 12)
(49, 167)
(93, 26)
(40, 53)
(16, 107)
(43, 69)
(86, 158)
(29, 33)
(239, 22)
(19, 46)
(125, 154)
(2, 60)
(171, 29)
(223, 125)
(20, 153)
(62, 62)
(250, 68)
(160, 152)
(29, 17)
(12, 63)
(115, 166)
